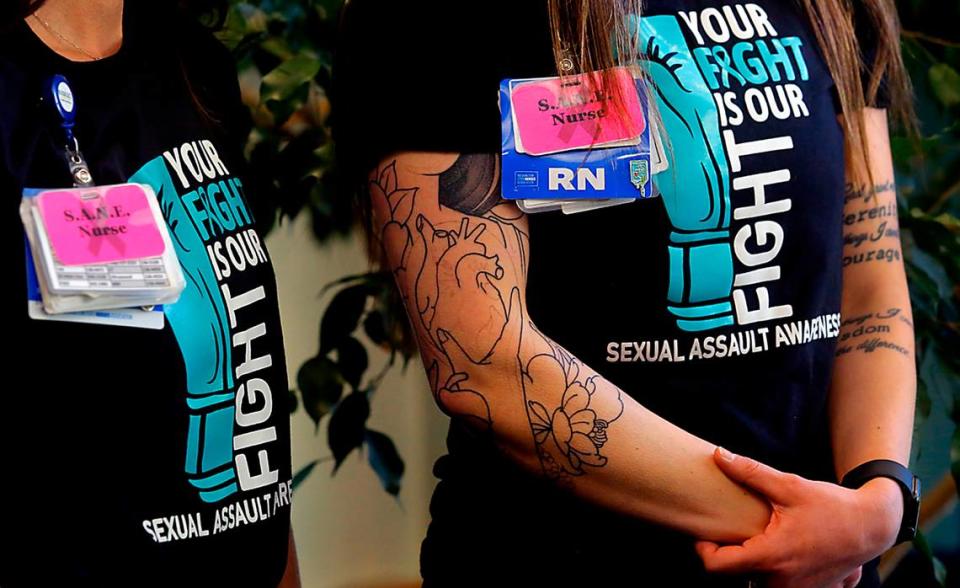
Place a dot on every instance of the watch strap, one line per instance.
(909, 485)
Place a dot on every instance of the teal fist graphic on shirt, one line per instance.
(200, 323)
(696, 189)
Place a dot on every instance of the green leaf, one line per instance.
(244, 18)
(375, 327)
(950, 222)
(955, 448)
(924, 402)
(241, 46)
(303, 473)
(352, 361)
(946, 84)
(940, 380)
(254, 19)
(293, 401)
(933, 269)
(282, 110)
(278, 47)
(939, 570)
(348, 426)
(326, 8)
(320, 386)
(385, 461)
(341, 318)
(289, 77)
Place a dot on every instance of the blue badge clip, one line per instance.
(61, 94)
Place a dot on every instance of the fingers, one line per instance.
(771, 483)
(734, 559)
(853, 579)
(705, 548)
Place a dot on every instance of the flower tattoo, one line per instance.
(569, 426)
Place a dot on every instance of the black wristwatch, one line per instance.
(909, 485)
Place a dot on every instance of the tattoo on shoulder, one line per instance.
(443, 268)
(472, 184)
(465, 304)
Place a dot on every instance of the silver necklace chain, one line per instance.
(56, 33)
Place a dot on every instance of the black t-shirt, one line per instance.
(137, 457)
(715, 305)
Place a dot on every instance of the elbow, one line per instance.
(462, 396)
(479, 393)
(474, 390)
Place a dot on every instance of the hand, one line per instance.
(819, 534)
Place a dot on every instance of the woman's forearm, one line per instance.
(874, 384)
(872, 400)
(873, 392)
(586, 435)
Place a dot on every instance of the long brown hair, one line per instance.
(583, 43)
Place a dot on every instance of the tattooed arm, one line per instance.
(874, 383)
(459, 255)
(821, 533)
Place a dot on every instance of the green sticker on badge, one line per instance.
(639, 173)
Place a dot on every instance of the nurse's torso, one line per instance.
(715, 305)
(141, 456)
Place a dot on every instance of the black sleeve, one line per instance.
(421, 76)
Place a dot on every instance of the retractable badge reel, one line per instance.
(96, 248)
(65, 104)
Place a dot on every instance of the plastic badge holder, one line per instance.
(616, 168)
(100, 248)
(554, 115)
(658, 160)
(145, 318)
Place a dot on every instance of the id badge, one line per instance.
(575, 154)
(99, 226)
(555, 115)
(99, 255)
(142, 318)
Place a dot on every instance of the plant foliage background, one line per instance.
(284, 54)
